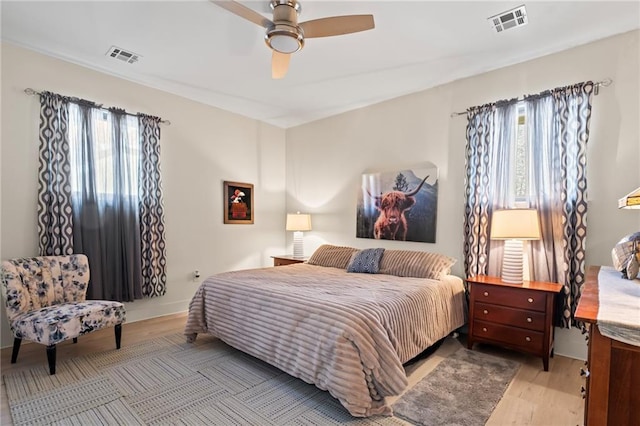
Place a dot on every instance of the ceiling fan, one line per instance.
(285, 35)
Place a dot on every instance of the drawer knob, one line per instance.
(528, 339)
(484, 328)
(529, 319)
(486, 293)
(584, 372)
(485, 312)
(530, 300)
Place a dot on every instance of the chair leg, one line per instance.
(51, 357)
(16, 349)
(118, 331)
(75, 340)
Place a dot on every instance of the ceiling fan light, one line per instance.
(284, 41)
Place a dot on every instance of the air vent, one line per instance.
(123, 55)
(510, 19)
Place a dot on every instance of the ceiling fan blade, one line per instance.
(243, 12)
(337, 25)
(279, 64)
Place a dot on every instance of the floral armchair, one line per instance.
(45, 300)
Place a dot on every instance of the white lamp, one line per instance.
(513, 226)
(298, 223)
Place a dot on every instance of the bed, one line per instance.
(347, 333)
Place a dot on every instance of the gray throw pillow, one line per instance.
(366, 261)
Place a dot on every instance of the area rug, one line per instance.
(170, 382)
(167, 381)
(462, 390)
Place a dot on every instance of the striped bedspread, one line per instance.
(347, 333)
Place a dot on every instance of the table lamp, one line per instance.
(298, 223)
(514, 226)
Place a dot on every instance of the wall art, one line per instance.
(399, 205)
(238, 203)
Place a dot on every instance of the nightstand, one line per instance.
(516, 316)
(287, 259)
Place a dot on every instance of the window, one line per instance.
(521, 163)
(115, 161)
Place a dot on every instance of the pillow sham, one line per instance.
(332, 256)
(416, 264)
(366, 261)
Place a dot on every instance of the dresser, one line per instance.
(516, 316)
(612, 388)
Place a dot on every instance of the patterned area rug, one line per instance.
(168, 381)
(462, 390)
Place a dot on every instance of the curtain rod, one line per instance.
(606, 82)
(30, 91)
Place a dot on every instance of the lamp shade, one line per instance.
(298, 222)
(518, 224)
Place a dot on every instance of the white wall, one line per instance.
(325, 159)
(201, 148)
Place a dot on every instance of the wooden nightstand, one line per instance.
(287, 259)
(516, 316)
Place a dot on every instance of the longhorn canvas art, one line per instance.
(399, 205)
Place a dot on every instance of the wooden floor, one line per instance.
(535, 397)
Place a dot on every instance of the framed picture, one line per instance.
(238, 203)
(399, 205)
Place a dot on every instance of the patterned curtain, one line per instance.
(100, 194)
(559, 130)
(55, 219)
(491, 129)
(154, 259)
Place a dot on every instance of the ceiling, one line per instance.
(200, 51)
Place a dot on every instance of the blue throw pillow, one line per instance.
(367, 261)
